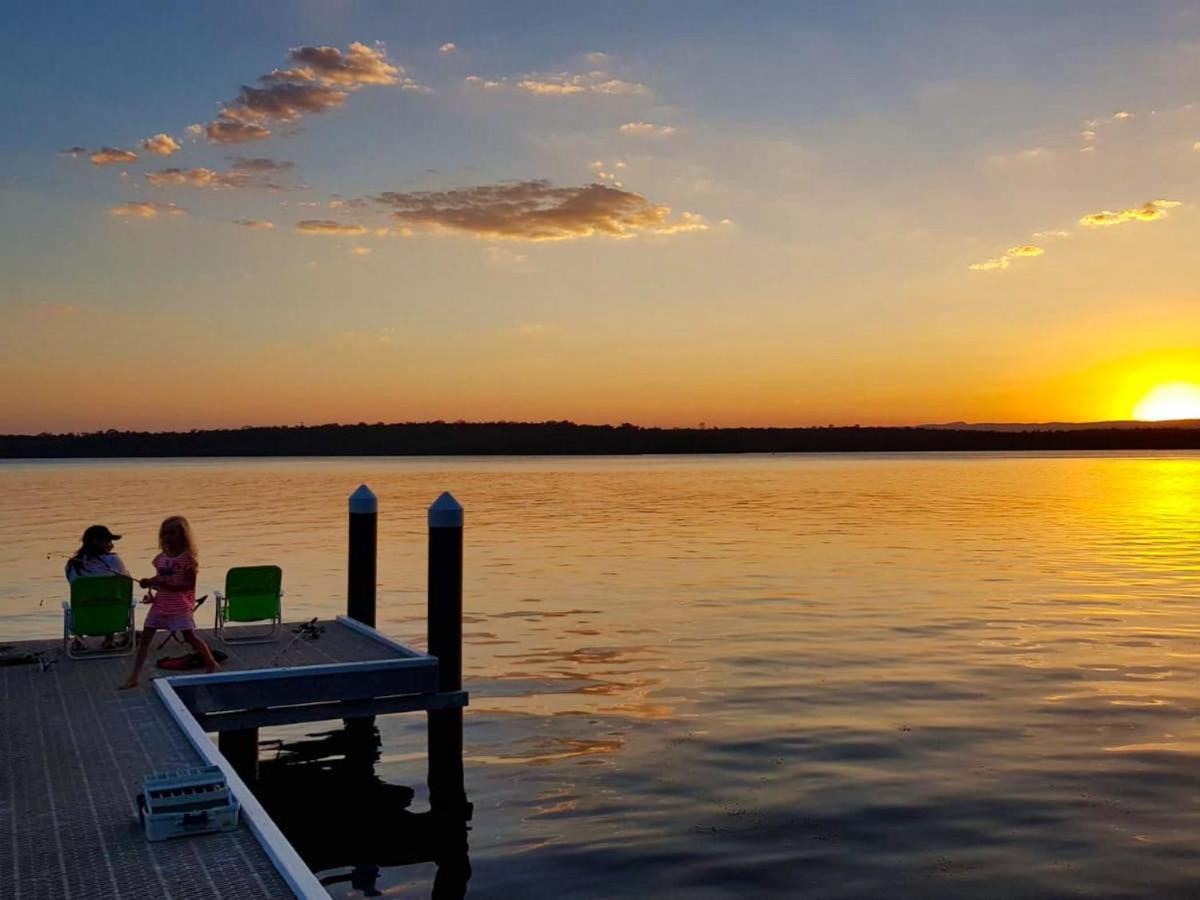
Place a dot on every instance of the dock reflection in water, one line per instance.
(349, 825)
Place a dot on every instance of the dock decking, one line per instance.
(74, 751)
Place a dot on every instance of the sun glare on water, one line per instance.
(1180, 400)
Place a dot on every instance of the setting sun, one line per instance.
(1180, 400)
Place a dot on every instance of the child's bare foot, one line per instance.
(131, 683)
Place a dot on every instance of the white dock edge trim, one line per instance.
(355, 625)
(295, 872)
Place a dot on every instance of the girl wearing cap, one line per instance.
(95, 556)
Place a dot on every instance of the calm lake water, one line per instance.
(819, 676)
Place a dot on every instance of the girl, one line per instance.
(176, 598)
(96, 556)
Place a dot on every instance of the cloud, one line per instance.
(1044, 235)
(161, 145)
(76, 152)
(202, 178)
(1000, 263)
(244, 173)
(448, 47)
(261, 164)
(195, 130)
(1147, 212)
(536, 211)
(53, 312)
(107, 156)
(360, 251)
(282, 102)
(990, 265)
(1196, 146)
(563, 84)
(321, 80)
(647, 129)
(141, 209)
(359, 65)
(258, 224)
(229, 131)
(327, 226)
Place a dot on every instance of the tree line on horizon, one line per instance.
(568, 438)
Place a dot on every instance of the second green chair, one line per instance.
(252, 594)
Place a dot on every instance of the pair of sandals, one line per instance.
(109, 643)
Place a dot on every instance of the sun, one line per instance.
(1178, 400)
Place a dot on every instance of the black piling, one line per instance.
(447, 792)
(240, 747)
(360, 588)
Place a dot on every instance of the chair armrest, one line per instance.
(281, 593)
(218, 597)
(66, 606)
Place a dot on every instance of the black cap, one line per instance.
(99, 533)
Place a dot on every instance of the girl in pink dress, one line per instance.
(175, 597)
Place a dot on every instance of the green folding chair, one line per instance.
(252, 594)
(99, 605)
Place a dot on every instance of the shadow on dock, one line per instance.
(349, 825)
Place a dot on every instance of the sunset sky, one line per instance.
(222, 214)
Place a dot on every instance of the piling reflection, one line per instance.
(350, 826)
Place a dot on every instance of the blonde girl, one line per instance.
(174, 599)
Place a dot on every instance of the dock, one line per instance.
(74, 750)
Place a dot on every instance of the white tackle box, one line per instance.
(187, 801)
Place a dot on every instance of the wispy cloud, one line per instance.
(258, 224)
(141, 209)
(161, 145)
(329, 227)
(360, 251)
(990, 265)
(1148, 212)
(262, 164)
(562, 84)
(1000, 263)
(244, 173)
(647, 129)
(108, 156)
(448, 47)
(537, 211)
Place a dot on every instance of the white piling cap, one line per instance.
(446, 512)
(363, 501)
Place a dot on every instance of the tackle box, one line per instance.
(187, 801)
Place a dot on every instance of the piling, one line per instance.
(240, 747)
(364, 524)
(447, 792)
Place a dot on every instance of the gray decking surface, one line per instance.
(73, 753)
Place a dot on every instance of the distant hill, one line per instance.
(568, 438)
(1062, 426)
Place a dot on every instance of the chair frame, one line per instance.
(257, 637)
(99, 653)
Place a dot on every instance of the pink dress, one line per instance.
(175, 582)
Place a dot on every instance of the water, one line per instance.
(837, 676)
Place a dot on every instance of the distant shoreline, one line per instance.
(570, 439)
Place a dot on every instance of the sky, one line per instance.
(217, 214)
